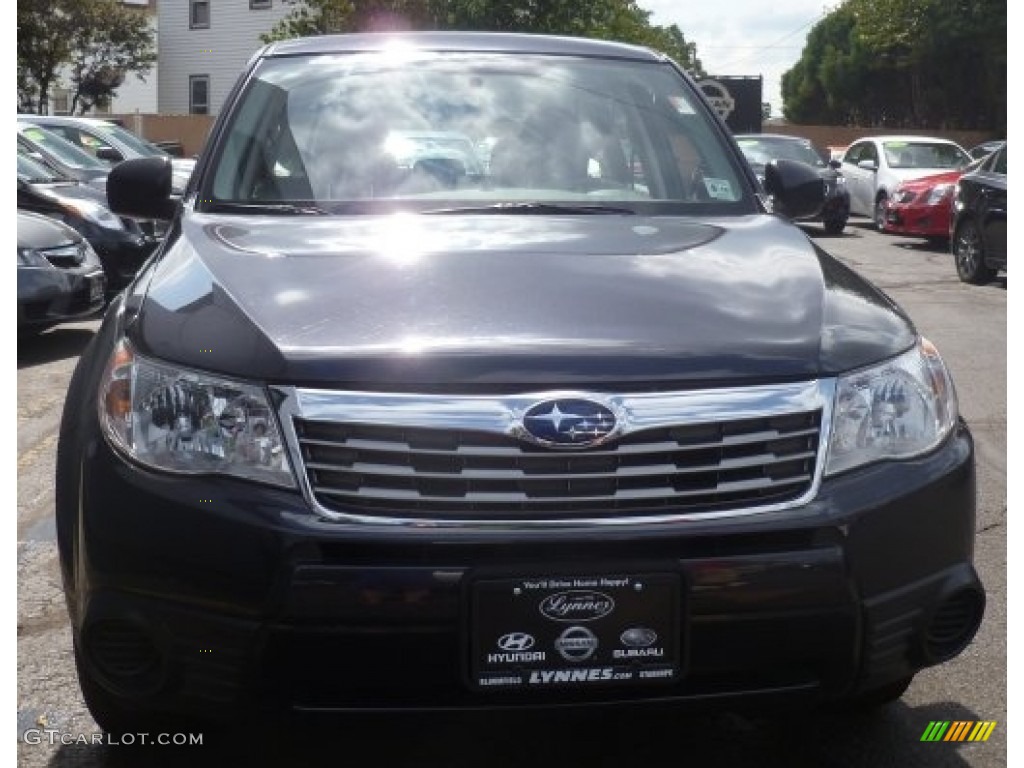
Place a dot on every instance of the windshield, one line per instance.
(37, 173)
(924, 154)
(140, 146)
(759, 150)
(63, 150)
(477, 128)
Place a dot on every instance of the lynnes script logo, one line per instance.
(569, 423)
(576, 605)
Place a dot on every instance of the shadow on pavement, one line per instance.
(56, 344)
(606, 737)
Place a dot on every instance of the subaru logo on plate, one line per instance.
(516, 641)
(569, 422)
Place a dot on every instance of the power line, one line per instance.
(771, 45)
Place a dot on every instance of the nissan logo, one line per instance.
(576, 605)
(576, 644)
(516, 641)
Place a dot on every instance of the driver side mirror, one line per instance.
(141, 189)
(868, 165)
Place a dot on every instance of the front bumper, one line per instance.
(918, 220)
(49, 295)
(207, 595)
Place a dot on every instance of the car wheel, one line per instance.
(969, 255)
(880, 205)
(834, 225)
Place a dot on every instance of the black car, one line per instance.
(120, 242)
(59, 276)
(760, 148)
(986, 148)
(592, 427)
(977, 231)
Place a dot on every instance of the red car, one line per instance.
(924, 207)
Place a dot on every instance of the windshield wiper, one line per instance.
(289, 209)
(539, 209)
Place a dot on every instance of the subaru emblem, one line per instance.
(569, 423)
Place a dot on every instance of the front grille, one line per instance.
(426, 471)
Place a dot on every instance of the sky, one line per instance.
(744, 37)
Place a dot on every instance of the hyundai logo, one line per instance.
(569, 422)
(516, 641)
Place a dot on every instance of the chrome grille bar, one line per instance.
(459, 461)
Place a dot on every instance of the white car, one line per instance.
(876, 165)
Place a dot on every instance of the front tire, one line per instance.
(880, 205)
(834, 225)
(969, 255)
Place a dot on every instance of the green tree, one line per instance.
(98, 42)
(903, 63)
(621, 20)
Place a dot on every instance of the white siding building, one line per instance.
(203, 47)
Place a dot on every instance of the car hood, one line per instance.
(903, 175)
(70, 192)
(37, 231)
(470, 300)
(947, 177)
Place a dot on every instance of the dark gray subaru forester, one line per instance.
(474, 372)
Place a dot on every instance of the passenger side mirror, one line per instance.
(141, 189)
(109, 154)
(835, 164)
(798, 188)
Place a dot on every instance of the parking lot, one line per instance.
(967, 323)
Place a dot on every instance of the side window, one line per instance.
(853, 154)
(1000, 163)
(869, 152)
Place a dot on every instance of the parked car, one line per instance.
(985, 149)
(59, 275)
(875, 166)
(923, 207)
(40, 144)
(110, 142)
(761, 148)
(597, 428)
(978, 229)
(121, 244)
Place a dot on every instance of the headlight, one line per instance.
(938, 193)
(840, 181)
(93, 212)
(190, 422)
(901, 408)
(30, 257)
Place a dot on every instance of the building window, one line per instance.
(199, 14)
(256, 5)
(199, 94)
(61, 102)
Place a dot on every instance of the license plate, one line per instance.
(575, 631)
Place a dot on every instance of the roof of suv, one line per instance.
(462, 41)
